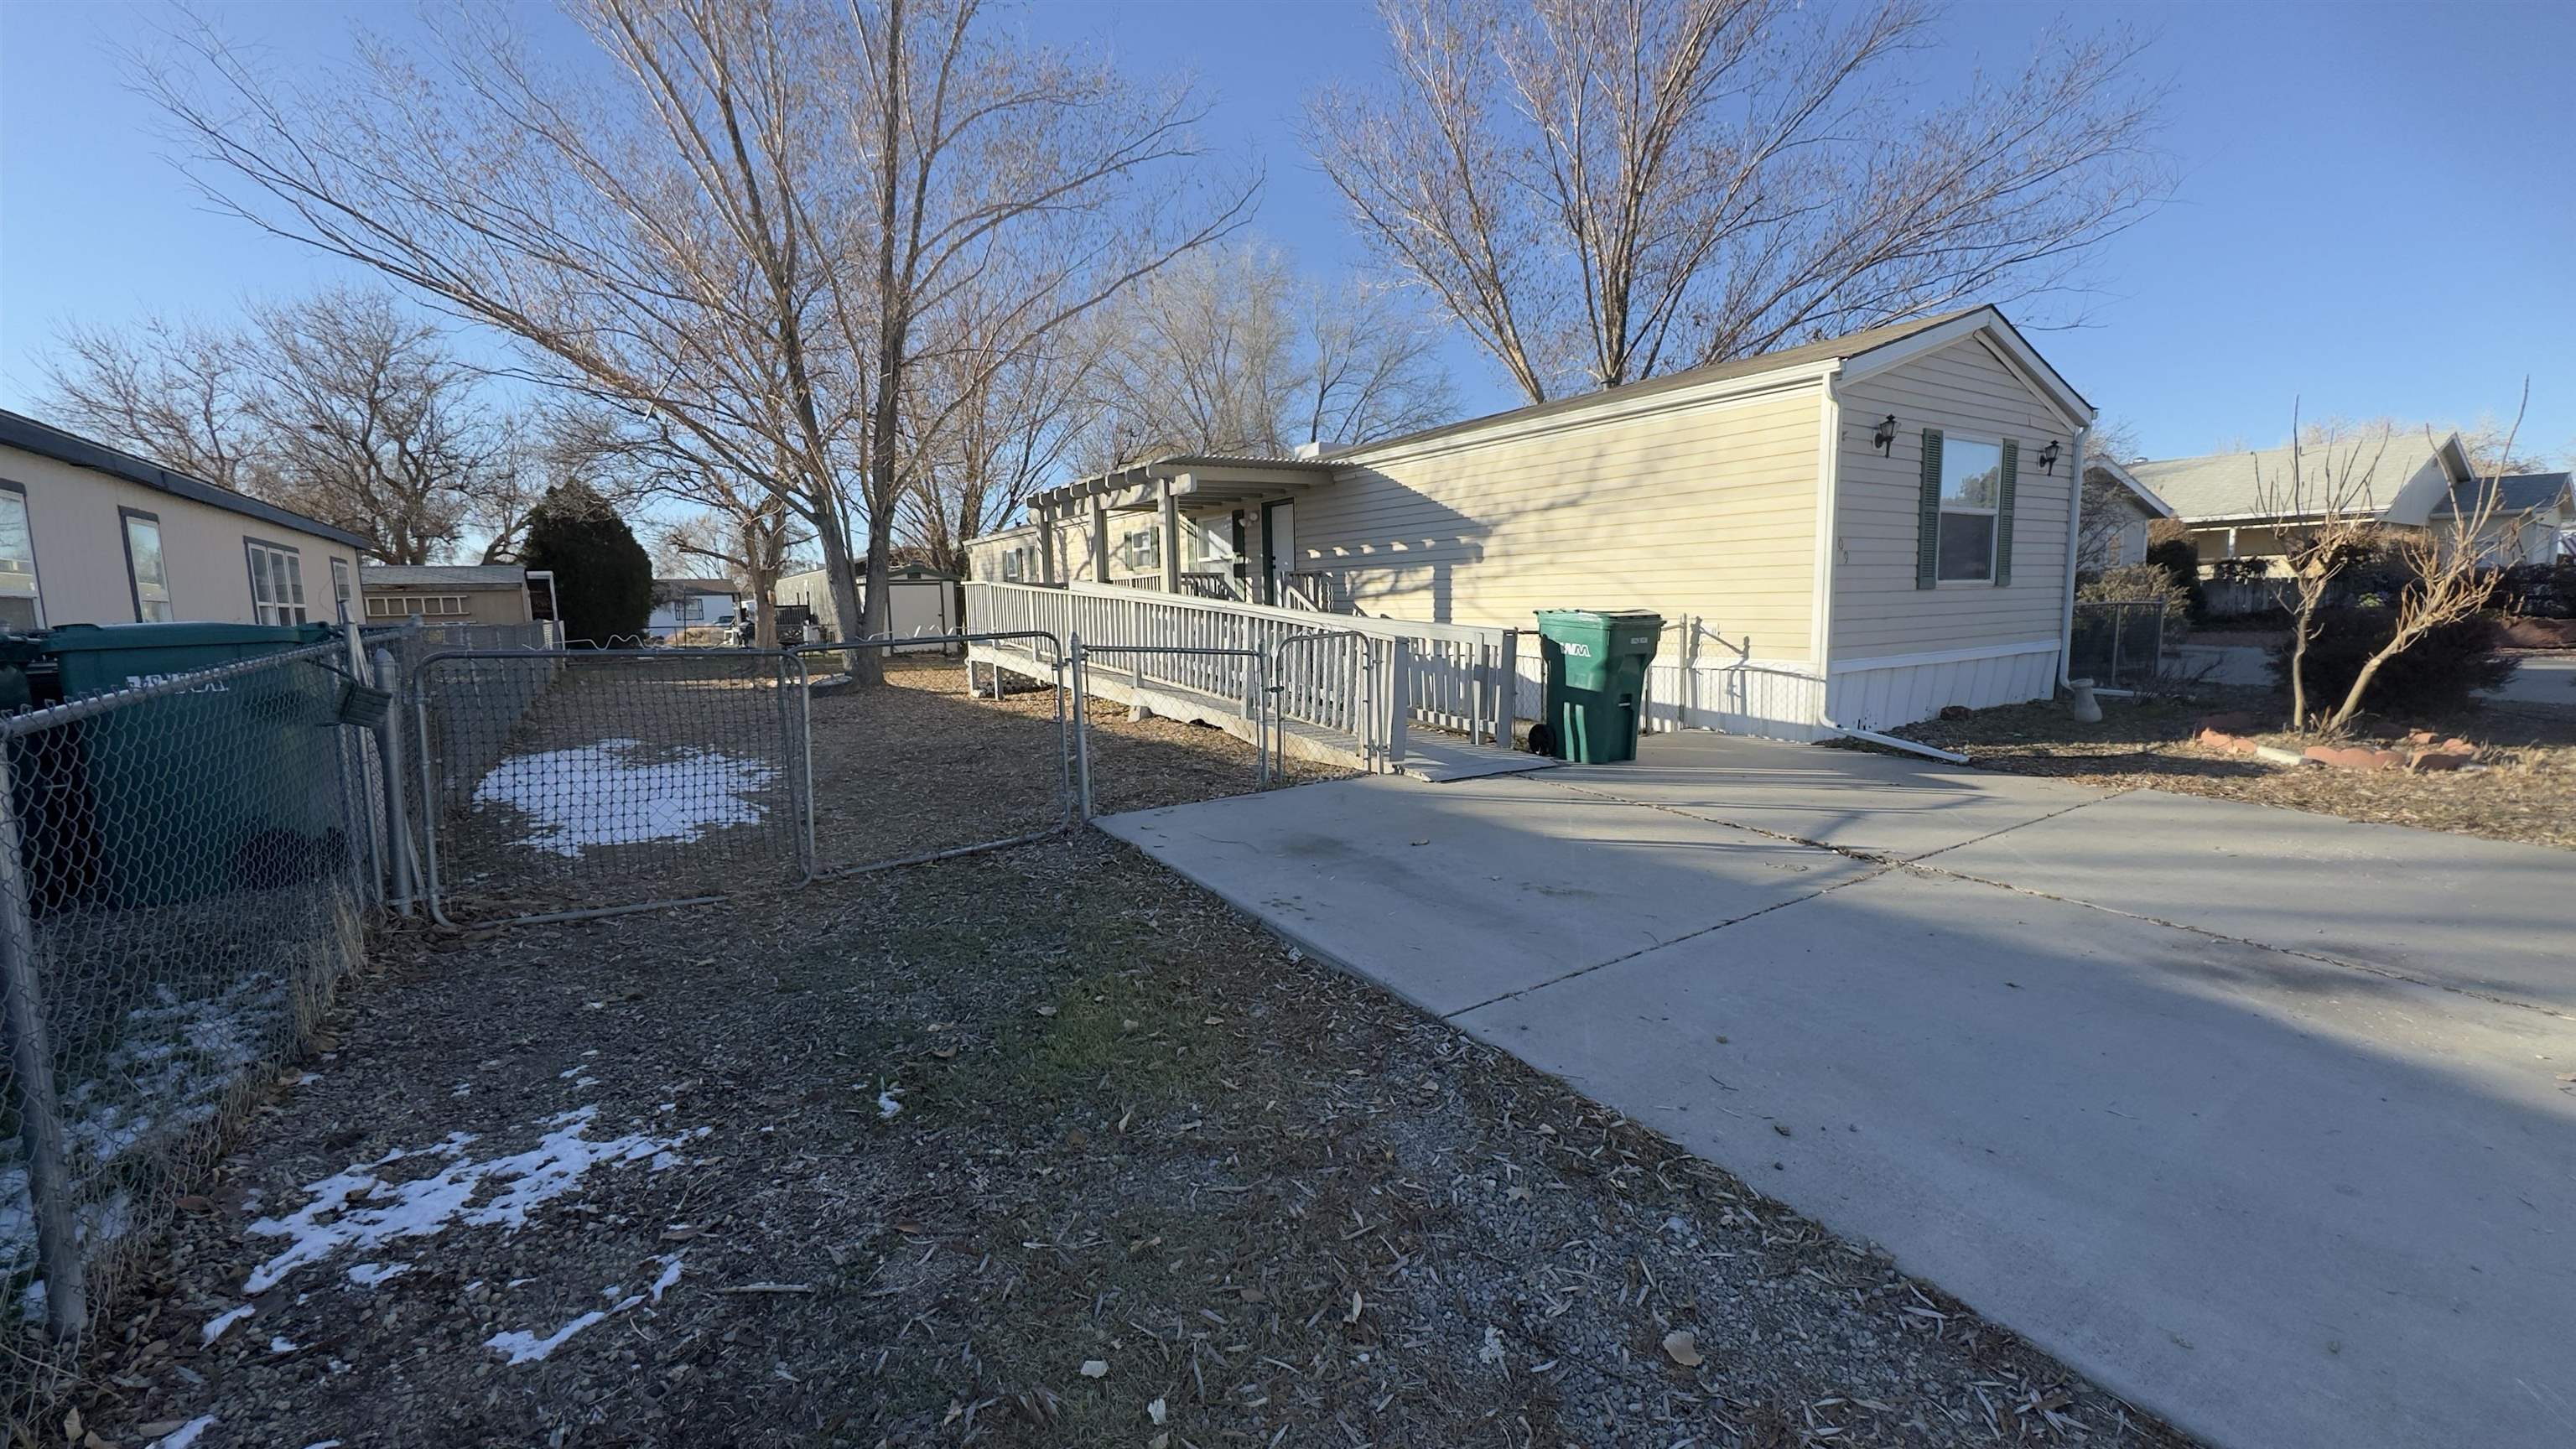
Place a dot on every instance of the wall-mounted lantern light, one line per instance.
(1885, 436)
(2048, 457)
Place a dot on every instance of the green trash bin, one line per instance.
(231, 785)
(1596, 679)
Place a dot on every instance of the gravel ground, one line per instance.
(1040, 1146)
(2526, 791)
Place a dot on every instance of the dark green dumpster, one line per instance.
(1596, 679)
(234, 784)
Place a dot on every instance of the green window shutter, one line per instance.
(1927, 539)
(2003, 514)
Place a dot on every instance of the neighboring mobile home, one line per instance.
(692, 604)
(447, 593)
(1849, 534)
(2117, 533)
(91, 535)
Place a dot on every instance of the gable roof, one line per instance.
(2516, 493)
(17, 430)
(2147, 498)
(2250, 484)
(1936, 330)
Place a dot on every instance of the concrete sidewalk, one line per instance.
(2278, 1198)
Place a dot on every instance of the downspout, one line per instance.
(1829, 459)
(2074, 532)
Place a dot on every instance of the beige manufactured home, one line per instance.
(92, 535)
(1849, 534)
(447, 593)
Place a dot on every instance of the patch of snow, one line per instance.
(216, 1325)
(368, 1275)
(619, 792)
(359, 1210)
(186, 1434)
(670, 1275)
(519, 1346)
(887, 1107)
(579, 1082)
(323, 1444)
(279, 1343)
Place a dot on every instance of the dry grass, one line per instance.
(2524, 791)
(1271, 1204)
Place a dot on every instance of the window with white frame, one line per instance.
(1143, 548)
(689, 609)
(343, 587)
(1972, 473)
(147, 575)
(1012, 569)
(415, 606)
(22, 606)
(276, 583)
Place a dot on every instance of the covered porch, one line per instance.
(1208, 526)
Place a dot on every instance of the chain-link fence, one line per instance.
(917, 767)
(558, 784)
(181, 883)
(2119, 643)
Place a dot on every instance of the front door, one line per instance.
(1278, 549)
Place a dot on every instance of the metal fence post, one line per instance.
(389, 752)
(1081, 728)
(31, 1060)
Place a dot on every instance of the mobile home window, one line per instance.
(1972, 475)
(1010, 565)
(1144, 549)
(276, 583)
(342, 588)
(21, 607)
(147, 577)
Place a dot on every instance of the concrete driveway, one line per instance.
(2251, 1115)
(2542, 679)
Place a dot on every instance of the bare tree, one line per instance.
(2106, 504)
(1015, 423)
(1235, 352)
(176, 392)
(2326, 523)
(1604, 190)
(370, 424)
(337, 405)
(2447, 575)
(748, 222)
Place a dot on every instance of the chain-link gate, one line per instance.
(2117, 643)
(558, 784)
(917, 767)
(181, 883)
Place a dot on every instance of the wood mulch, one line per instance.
(1041, 1146)
(2524, 788)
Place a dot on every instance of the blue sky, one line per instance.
(2377, 210)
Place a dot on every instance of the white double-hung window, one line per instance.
(1972, 474)
(276, 583)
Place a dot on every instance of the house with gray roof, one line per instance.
(2253, 503)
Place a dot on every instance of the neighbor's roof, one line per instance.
(2147, 499)
(442, 576)
(17, 430)
(2369, 470)
(2516, 493)
(663, 588)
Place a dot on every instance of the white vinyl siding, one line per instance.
(1703, 508)
(1965, 391)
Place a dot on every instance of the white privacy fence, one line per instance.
(1325, 670)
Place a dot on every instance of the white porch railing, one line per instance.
(1454, 677)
